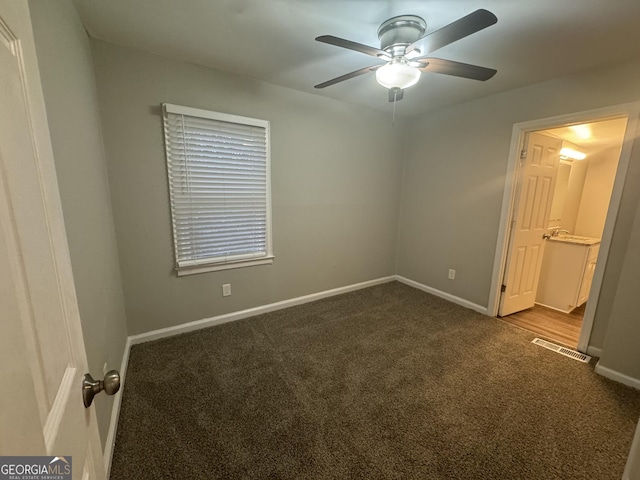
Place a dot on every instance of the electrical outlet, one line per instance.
(226, 289)
(452, 274)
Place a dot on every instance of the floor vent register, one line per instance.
(581, 357)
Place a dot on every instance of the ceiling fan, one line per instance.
(406, 52)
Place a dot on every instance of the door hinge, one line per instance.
(503, 288)
(523, 155)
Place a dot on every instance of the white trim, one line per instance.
(612, 214)
(242, 314)
(221, 116)
(115, 411)
(205, 323)
(633, 460)
(58, 409)
(632, 112)
(7, 38)
(617, 376)
(594, 351)
(508, 199)
(441, 294)
(250, 312)
(555, 308)
(182, 271)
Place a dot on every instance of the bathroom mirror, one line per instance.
(559, 194)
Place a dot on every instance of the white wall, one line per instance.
(455, 175)
(68, 82)
(598, 185)
(336, 171)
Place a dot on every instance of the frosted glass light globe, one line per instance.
(397, 75)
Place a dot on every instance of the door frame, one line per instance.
(514, 175)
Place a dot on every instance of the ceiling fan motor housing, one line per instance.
(397, 33)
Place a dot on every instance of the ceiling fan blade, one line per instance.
(358, 47)
(465, 26)
(464, 70)
(396, 94)
(347, 76)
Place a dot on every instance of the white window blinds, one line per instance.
(218, 170)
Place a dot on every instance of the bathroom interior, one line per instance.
(587, 169)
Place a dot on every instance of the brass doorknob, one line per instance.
(91, 387)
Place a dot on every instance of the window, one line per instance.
(219, 186)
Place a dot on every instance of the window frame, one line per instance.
(211, 264)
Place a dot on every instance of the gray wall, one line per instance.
(455, 174)
(68, 82)
(337, 178)
(336, 172)
(621, 350)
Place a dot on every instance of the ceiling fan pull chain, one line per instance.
(393, 118)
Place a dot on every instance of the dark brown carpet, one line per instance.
(383, 383)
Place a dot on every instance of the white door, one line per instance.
(530, 223)
(41, 347)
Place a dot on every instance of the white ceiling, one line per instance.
(273, 40)
(593, 136)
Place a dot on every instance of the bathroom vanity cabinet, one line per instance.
(567, 272)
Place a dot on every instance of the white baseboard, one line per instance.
(115, 410)
(594, 351)
(445, 295)
(250, 312)
(230, 317)
(208, 322)
(633, 461)
(617, 376)
(554, 308)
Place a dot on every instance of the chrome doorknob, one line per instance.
(546, 236)
(91, 387)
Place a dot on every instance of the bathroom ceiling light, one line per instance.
(582, 131)
(571, 153)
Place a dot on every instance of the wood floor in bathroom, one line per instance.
(552, 325)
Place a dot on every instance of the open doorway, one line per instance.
(556, 131)
(584, 159)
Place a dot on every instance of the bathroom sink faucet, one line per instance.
(558, 231)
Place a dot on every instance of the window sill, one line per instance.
(182, 271)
